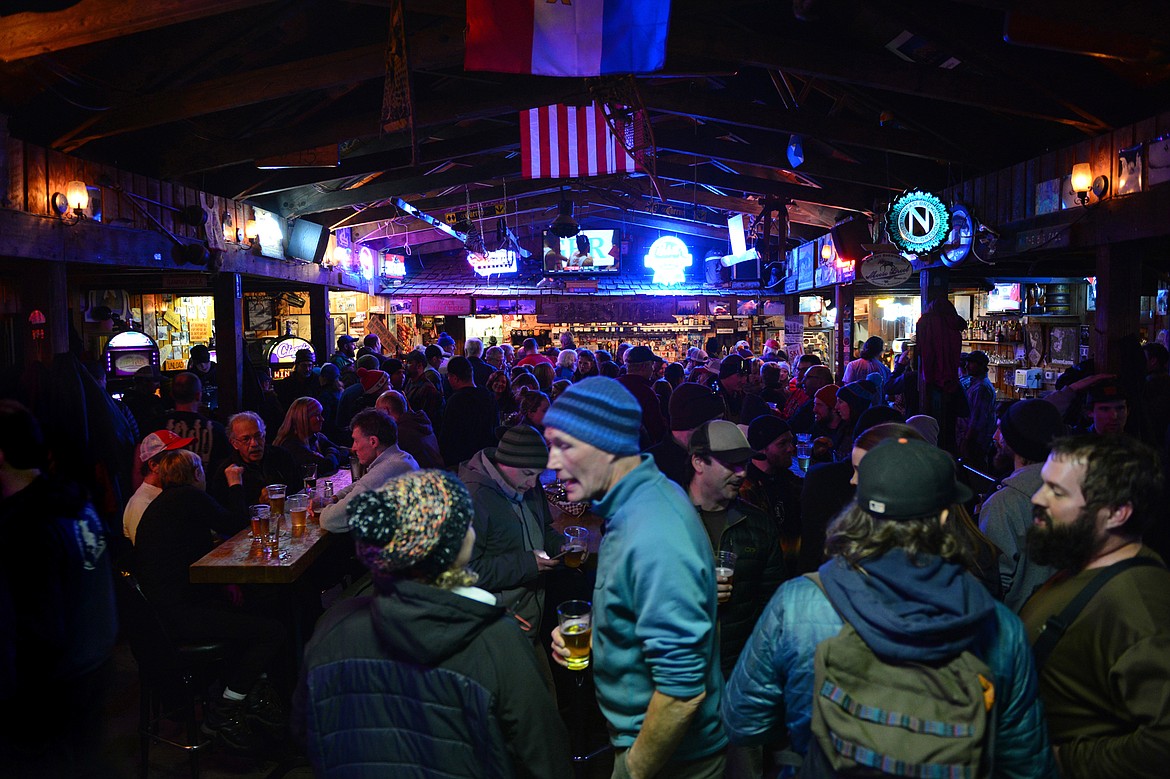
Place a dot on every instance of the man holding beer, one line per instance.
(654, 610)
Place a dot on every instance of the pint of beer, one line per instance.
(276, 493)
(576, 546)
(576, 621)
(259, 513)
(298, 513)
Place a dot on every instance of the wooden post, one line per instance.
(319, 321)
(843, 300)
(1119, 271)
(57, 309)
(229, 341)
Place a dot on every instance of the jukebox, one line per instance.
(278, 354)
(126, 353)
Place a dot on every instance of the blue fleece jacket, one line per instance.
(654, 610)
(902, 611)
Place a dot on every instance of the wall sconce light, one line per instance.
(1083, 183)
(827, 251)
(72, 203)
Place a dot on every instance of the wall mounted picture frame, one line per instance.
(1158, 161)
(1129, 170)
(688, 306)
(260, 312)
(400, 306)
(340, 325)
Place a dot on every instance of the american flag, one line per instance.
(560, 141)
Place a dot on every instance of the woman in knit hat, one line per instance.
(430, 638)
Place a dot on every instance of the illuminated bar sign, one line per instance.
(667, 257)
(918, 222)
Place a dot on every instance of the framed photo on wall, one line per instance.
(340, 325)
(260, 312)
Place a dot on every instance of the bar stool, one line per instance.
(171, 676)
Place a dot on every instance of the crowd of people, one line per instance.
(863, 582)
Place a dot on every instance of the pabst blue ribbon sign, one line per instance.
(918, 222)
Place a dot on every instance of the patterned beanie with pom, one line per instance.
(414, 524)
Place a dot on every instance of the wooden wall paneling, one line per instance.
(149, 188)
(1019, 186)
(1031, 179)
(126, 184)
(1102, 156)
(1122, 138)
(14, 179)
(111, 200)
(36, 196)
(1004, 199)
(967, 197)
(979, 200)
(1046, 170)
(163, 192)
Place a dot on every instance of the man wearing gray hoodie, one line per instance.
(1022, 441)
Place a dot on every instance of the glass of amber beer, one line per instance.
(576, 621)
(576, 546)
(297, 511)
(276, 493)
(259, 513)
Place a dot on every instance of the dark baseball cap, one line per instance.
(731, 365)
(346, 339)
(905, 479)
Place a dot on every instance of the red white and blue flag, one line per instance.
(566, 37)
(560, 141)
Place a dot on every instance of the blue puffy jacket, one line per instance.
(773, 680)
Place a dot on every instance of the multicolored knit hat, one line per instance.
(600, 412)
(416, 523)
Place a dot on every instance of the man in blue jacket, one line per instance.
(655, 650)
(891, 575)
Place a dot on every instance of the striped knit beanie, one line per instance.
(600, 412)
(415, 523)
(522, 446)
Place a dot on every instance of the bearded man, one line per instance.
(1104, 670)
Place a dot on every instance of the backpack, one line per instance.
(873, 718)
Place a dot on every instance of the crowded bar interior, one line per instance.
(249, 251)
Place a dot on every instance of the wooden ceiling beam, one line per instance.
(302, 202)
(30, 34)
(512, 94)
(872, 70)
(842, 196)
(770, 150)
(431, 48)
(729, 111)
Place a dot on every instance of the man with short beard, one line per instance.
(1104, 683)
(1022, 442)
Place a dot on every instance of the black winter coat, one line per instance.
(759, 570)
(418, 681)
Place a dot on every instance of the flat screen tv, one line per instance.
(1004, 297)
(601, 253)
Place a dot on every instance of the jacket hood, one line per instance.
(1026, 480)
(480, 470)
(416, 420)
(427, 624)
(926, 610)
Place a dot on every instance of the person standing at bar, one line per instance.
(655, 647)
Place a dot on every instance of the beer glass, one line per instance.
(309, 471)
(271, 543)
(259, 513)
(297, 511)
(276, 494)
(724, 569)
(355, 467)
(576, 621)
(576, 546)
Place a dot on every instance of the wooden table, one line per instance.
(239, 560)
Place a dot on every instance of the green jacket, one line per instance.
(1106, 685)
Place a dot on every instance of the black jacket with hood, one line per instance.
(418, 681)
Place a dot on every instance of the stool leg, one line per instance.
(145, 705)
